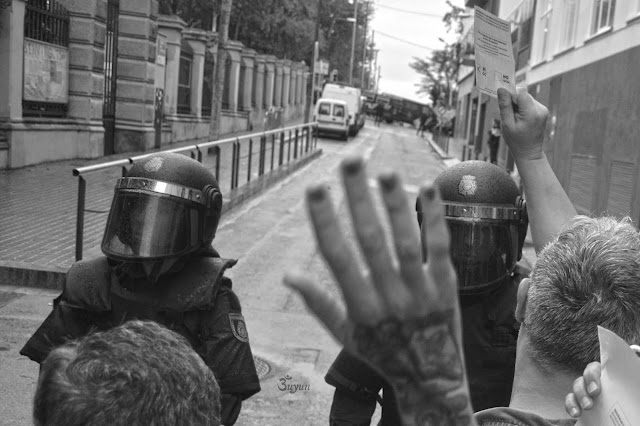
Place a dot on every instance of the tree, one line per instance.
(281, 27)
(439, 74)
(440, 71)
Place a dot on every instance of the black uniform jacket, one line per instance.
(195, 300)
(490, 332)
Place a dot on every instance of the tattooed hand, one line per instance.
(402, 317)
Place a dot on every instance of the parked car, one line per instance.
(332, 116)
(353, 97)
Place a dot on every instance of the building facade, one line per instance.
(83, 79)
(584, 67)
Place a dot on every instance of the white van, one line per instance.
(332, 116)
(352, 96)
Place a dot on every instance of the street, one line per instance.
(269, 235)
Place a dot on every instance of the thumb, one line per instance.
(505, 103)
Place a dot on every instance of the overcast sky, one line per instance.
(394, 55)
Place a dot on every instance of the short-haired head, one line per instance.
(589, 276)
(138, 373)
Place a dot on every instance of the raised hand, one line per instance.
(401, 317)
(524, 123)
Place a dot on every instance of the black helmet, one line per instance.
(487, 221)
(167, 206)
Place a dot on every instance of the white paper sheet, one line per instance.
(495, 66)
(619, 401)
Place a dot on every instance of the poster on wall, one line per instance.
(46, 72)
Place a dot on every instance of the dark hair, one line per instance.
(138, 373)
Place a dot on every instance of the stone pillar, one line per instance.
(11, 60)
(277, 95)
(305, 82)
(136, 69)
(258, 90)
(234, 49)
(271, 79)
(197, 40)
(301, 88)
(293, 85)
(286, 83)
(171, 27)
(248, 60)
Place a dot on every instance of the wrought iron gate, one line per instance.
(110, 76)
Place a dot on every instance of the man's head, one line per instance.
(589, 276)
(487, 221)
(137, 373)
(166, 207)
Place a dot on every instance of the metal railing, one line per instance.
(291, 143)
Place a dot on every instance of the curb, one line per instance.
(21, 274)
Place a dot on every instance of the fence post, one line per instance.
(295, 151)
(237, 162)
(281, 159)
(289, 148)
(249, 164)
(306, 138)
(82, 189)
(273, 148)
(199, 154)
(233, 166)
(216, 150)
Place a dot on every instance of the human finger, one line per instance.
(328, 310)
(438, 243)
(572, 406)
(580, 391)
(406, 239)
(371, 237)
(591, 375)
(505, 104)
(360, 296)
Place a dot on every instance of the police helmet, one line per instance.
(487, 221)
(167, 206)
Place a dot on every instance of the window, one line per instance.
(603, 11)
(184, 84)
(569, 27)
(338, 110)
(324, 109)
(545, 25)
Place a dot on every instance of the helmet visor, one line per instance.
(149, 226)
(483, 251)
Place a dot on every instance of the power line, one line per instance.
(402, 40)
(412, 12)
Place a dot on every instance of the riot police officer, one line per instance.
(160, 265)
(488, 223)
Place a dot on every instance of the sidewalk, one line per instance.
(452, 158)
(38, 207)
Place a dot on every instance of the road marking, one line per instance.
(411, 189)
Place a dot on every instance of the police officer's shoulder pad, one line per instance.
(87, 285)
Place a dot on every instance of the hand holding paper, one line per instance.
(495, 66)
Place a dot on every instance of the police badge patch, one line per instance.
(238, 327)
(468, 185)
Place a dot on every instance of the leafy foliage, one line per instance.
(440, 71)
(285, 28)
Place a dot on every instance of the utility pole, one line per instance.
(364, 49)
(353, 40)
(316, 52)
(219, 73)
